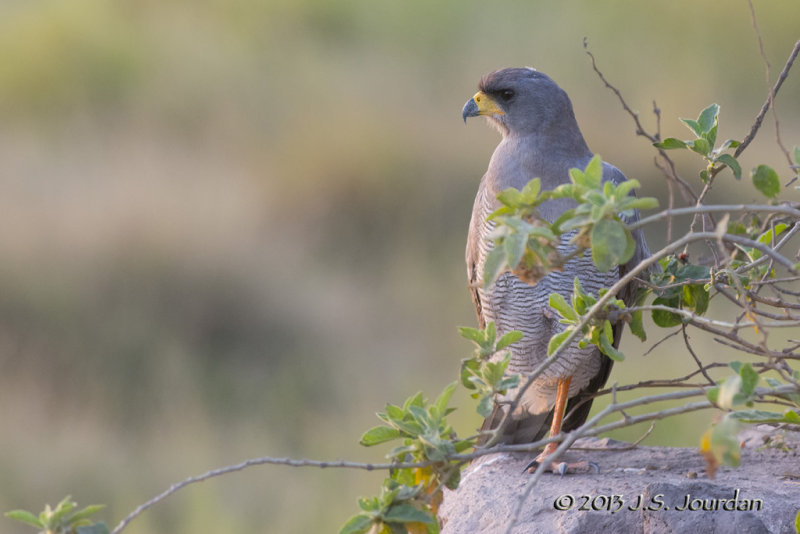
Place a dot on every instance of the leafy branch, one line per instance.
(63, 519)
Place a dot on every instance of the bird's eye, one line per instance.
(507, 95)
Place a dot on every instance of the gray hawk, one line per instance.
(540, 139)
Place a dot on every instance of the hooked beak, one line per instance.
(480, 104)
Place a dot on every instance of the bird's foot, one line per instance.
(563, 468)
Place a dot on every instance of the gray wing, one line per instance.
(476, 246)
(579, 406)
(641, 252)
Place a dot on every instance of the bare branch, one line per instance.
(760, 117)
(771, 91)
(783, 209)
(696, 359)
(670, 172)
(250, 463)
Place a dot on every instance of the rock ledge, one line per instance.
(760, 496)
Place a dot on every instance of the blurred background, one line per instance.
(234, 228)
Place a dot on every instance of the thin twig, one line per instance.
(686, 189)
(760, 117)
(696, 359)
(771, 91)
(783, 209)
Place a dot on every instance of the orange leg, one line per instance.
(562, 392)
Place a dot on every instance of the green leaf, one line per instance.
(708, 118)
(406, 513)
(791, 416)
(531, 190)
(608, 331)
(493, 265)
(637, 325)
(797, 519)
(491, 332)
(695, 297)
(608, 244)
(86, 512)
(394, 413)
(62, 508)
(25, 517)
(728, 392)
(420, 415)
(711, 136)
(768, 237)
(508, 339)
(630, 248)
(441, 401)
(510, 197)
(468, 369)
(625, 187)
(766, 180)
(644, 203)
(473, 334)
(594, 172)
(724, 442)
(608, 349)
(542, 231)
(507, 383)
(514, 246)
(368, 504)
(414, 400)
(454, 480)
(493, 372)
(664, 318)
(670, 143)
(749, 379)
(690, 271)
(729, 143)
(694, 126)
(558, 303)
(358, 524)
(557, 340)
(577, 177)
(700, 146)
(379, 434)
(485, 406)
(731, 162)
(763, 416)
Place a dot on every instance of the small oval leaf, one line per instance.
(609, 243)
(766, 180)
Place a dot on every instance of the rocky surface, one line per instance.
(650, 490)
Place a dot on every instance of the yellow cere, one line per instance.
(486, 105)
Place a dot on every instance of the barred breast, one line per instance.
(515, 305)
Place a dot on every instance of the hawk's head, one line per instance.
(521, 101)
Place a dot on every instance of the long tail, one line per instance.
(533, 427)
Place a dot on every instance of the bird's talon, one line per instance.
(562, 468)
(531, 467)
